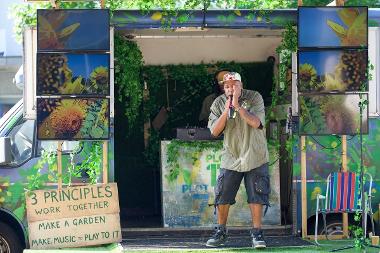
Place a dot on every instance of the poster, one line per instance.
(332, 70)
(325, 114)
(322, 27)
(73, 118)
(73, 74)
(59, 30)
(188, 192)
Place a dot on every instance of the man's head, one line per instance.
(230, 80)
(219, 79)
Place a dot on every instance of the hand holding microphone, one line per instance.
(231, 109)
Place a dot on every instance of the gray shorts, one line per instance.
(256, 183)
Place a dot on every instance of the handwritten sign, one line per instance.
(73, 216)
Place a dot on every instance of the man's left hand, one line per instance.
(237, 93)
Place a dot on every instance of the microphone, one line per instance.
(231, 111)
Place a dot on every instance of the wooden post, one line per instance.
(59, 164)
(344, 169)
(105, 162)
(102, 4)
(303, 187)
(300, 3)
(337, 3)
(54, 4)
(105, 143)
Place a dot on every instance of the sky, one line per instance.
(84, 64)
(314, 30)
(323, 61)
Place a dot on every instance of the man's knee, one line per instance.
(226, 189)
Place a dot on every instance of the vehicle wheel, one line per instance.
(333, 227)
(9, 241)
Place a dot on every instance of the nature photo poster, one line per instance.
(73, 118)
(73, 74)
(332, 70)
(326, 27)
(73, 29)
(325, 114)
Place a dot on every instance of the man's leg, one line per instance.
(223, 213)
(225, 192)
(258, 188)
(256, 214)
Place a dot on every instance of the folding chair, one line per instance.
(343, 195)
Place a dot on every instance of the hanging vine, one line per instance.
(128, 64)
(281, 88)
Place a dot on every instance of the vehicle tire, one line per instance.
(9, 241)
(333, 227)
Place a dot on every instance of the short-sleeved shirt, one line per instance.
(244, 147)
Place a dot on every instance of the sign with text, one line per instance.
(73, 216)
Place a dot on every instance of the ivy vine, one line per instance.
(91, 164)
(281, 88)
(128, 64)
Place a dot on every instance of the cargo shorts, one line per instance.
(256, 183)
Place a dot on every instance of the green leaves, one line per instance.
(97, 132)
(93, 125)
(128, 64)
(92, 163)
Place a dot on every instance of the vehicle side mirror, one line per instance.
(5, 151)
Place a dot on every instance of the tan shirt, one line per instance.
(244, 147)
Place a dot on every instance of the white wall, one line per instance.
(8, 43)
(190, 50)
(374, 58)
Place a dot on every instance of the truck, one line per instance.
(20, 151)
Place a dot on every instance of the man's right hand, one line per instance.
(227, 105)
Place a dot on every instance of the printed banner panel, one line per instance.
(188, 190)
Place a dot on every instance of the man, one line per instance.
(245, 155)
(207, 102)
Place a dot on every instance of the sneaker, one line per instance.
(219, 238)
(258, 239)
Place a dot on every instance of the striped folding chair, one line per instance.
(343, 195)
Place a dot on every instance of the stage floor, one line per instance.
(167, 238)
(194, 242)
